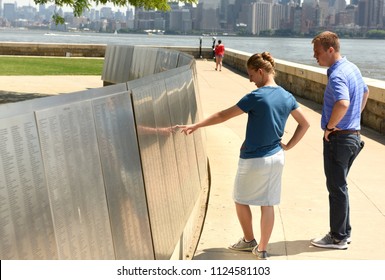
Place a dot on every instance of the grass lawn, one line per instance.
(40, 66)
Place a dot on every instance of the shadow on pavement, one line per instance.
(276, 249)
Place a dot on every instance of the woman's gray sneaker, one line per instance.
(242, 245)
(261, 255)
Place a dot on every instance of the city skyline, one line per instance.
(229, 16)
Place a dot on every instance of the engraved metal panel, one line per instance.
(140, 69)
(123, 61)
(165, 133)
(190, 141)
(162, 225)
(108, 64)
(75, 182)
(122, 173)
(166, 60)
(117, 63)
(153, 78)
(25, 216)
(174, 91)
(184, 59)
(196, 115)
(201, 151)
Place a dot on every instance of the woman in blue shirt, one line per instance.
(258, 179)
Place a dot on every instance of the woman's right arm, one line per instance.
(216, 118)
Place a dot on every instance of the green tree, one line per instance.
(79, 6)
(376, 34)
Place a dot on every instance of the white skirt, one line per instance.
(258, 180)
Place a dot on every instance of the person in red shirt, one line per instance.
(219, 54)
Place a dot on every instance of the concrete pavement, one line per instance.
(303, 212)
(48, 84)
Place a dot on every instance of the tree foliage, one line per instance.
(376, 34)
(79, 6)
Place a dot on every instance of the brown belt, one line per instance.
(337, 132)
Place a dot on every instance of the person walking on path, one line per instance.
(345, 98)
(219, 54)
(260, 166)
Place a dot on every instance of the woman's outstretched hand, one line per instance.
(187, 129)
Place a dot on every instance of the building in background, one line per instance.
(9, 11)
(371, 14)
(259, 17)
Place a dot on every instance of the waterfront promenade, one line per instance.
(303, 212)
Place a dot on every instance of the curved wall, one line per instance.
(104, 173)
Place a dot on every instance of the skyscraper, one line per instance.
(260, 17)
(207, 17)
(9, 11)
(309, 15)
(370, 13)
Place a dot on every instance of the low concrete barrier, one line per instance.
(52, 49)
(80, 50)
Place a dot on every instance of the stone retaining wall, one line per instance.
(78, 50)
(46, 49)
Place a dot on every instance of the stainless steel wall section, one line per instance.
(26, 224)
(104, 173)
(123, 177)
(126, 63)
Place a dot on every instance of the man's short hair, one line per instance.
(327, 39)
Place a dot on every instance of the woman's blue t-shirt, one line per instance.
(268, 109)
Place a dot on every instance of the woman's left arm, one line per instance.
(302, 127)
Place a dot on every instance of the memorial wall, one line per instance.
(105, 173)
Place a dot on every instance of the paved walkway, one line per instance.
(303, 212)
(48, 84)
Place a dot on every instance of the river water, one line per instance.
(368, 55)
